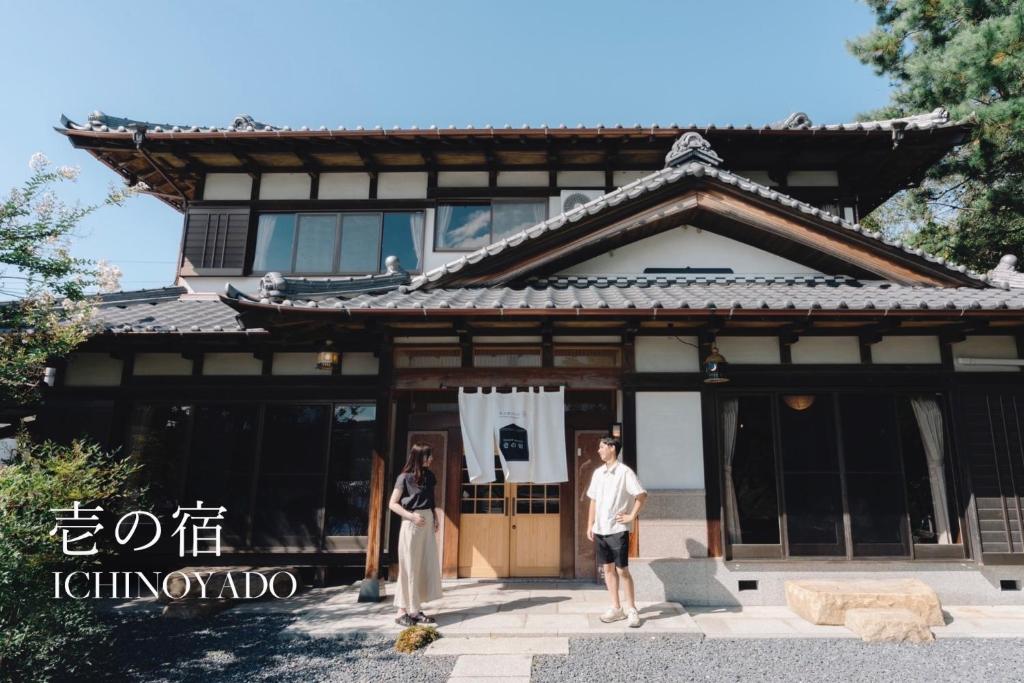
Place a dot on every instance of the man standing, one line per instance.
(616, 497)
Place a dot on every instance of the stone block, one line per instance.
(888, 625)
(826, 602)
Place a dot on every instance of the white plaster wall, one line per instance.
(231, 364)
(669, 440)
(402, 186)
(812, 179)
(301, 363)
(666, 354)
(985, 346)
(578, 179)
(462, 179)
(153, 364)
(687, 247)
(522, 179)
(285, 185)
(620, 178)
(899, 350)
(344, 186)
(198, 285)
(586, 339)
(422, 341)
(227, 186)
(815, 350)
(359, 363)
(92, 370)
(749, 350)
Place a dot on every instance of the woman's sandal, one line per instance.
(405, 620)
(422, 618)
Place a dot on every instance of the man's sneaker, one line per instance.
(634, 617)
(613, 614)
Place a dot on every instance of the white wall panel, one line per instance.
(344, 186)
(821, 350)
(666, 354)
(749, 350)
(899, 350)
(93, 370)
(359, 363)
(985, 346)
(570, 180)
(227, 186)
(669, 440)
(285, 185)
(522, 178)
(161, 364)
(231, 364)
(296, 363)
(462, 179)
(402, 186)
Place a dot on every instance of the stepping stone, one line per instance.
(826, 602)
(497, 646)
(492, 666)
(888, 625)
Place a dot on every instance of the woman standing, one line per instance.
(419, 571)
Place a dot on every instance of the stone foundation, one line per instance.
(673, 524)
(714, 582)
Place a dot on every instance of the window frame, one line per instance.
(489, 202)
(781, 551)
(336, 255)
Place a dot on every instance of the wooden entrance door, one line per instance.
(587, 460)
(508, 529)
(534, 544)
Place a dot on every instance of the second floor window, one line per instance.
(467, 226)
(342, 243)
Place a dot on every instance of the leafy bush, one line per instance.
(416, 637)
(42, 637)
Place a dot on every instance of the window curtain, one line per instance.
(416, 226)
(929, 422)
(730, 422)
(443, 222)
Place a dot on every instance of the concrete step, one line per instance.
(464, 645)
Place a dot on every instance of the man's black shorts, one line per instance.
(613, 548)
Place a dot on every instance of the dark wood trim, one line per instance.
(629, 427)
(383, 440)
(712, 474)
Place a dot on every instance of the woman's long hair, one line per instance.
(418, 454)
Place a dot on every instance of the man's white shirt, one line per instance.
(613, 490)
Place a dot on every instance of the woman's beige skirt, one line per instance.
(419, 571)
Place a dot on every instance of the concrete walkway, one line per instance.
(481, 608)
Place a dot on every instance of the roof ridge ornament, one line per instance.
(691, 147)
(797, 119)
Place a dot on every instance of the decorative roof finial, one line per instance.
(691, 147)
(392, 265)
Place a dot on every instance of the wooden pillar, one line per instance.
(369, 591)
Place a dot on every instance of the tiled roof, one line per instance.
(768, 292)
(276, 287)
(691, 157)
(164, 311)
(1006, 273)
(102, 123)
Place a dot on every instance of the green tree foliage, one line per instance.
(51, 314)
(967, 56)
(42, 637)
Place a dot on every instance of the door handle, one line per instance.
(506, 506)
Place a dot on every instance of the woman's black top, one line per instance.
(417, 496)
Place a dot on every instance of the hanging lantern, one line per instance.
(714, 368)
(798, 403)
(616, 430)
(328, 358)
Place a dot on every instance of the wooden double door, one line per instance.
(509, 529)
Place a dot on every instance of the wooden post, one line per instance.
(369, 590)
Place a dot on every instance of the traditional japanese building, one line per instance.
(801, 395)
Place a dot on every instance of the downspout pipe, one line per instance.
(1009, 362)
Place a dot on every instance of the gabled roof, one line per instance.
(165, 311)
(99, 122)
(877, 158)
(691, 165)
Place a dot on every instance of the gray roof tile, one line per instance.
(802, 292)
(164, 311)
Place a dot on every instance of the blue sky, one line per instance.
(384, 62)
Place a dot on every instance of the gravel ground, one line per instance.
(672, 659)
(251, 648)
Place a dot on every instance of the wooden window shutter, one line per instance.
(215, 241)
(994, 448)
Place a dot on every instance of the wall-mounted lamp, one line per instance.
(714, 368)
(616, 430)
(328, 358)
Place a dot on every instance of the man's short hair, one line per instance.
(614, 443)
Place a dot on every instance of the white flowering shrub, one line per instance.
(51, 314)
